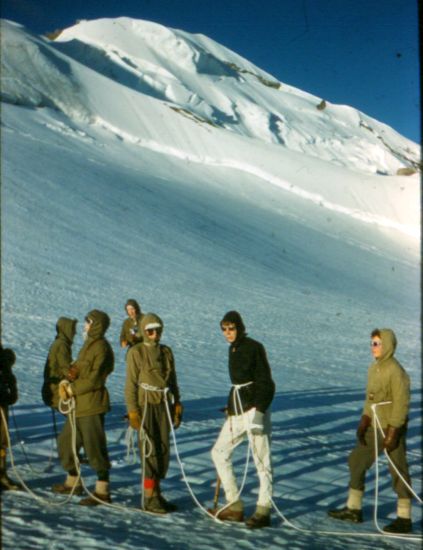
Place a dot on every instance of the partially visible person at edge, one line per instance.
(387, 382)
(151, 369)
(248, 415)
(131, 332)
(59, 361)
(93, 365)
(8, 396)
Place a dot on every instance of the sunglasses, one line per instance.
(375, 344)
(226, 328)
(151, 331)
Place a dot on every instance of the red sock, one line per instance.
(149, 483)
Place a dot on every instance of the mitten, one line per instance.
(362, 428)
(178, 410)
(73, 373)
(134, 420)
(390, 443)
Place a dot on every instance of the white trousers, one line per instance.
(233, 432)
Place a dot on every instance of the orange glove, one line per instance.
(178, 410)
(134, 420)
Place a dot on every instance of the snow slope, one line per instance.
(140, 161)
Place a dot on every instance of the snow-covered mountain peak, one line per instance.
(169, 71)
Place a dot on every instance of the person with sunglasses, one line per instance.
(387, 384)
(151, 392)
(248, 416)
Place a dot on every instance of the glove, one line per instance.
(134, 420)
(256, 426)
(73, 372)
(178, 410)
(362, 428)
(65, 390)
(390, 443)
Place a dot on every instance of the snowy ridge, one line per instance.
(202, 80)
(137, 166)
(411, 229)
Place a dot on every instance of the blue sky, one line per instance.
(362, 53)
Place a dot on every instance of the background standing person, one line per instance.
(8, 396)
(387, 381)
(131, 332)
(92, 367)
(151, 365)
(248, 415)
(59, 360)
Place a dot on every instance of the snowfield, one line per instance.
(145, 162)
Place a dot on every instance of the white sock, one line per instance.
(404, 508)
(72, 481)
(102, 487)
(354, 499)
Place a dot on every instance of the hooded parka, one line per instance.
(388, 381)
(248, 364)
(58, 361)
(152, 363)
(95, 362)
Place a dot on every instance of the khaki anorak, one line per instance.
(58, 361)
(388, 381)
(152, 364)
(94, 363)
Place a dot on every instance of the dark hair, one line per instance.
(134, 304)
(235, 318)
(375, 332)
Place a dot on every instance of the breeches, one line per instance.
(363, 456)
(91, 436)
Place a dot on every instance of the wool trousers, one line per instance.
(91, 436)
(363, 456)
(154, 442)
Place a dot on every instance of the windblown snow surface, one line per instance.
(144, 162)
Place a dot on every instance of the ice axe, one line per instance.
(216, 493)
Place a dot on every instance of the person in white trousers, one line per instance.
(248, 416)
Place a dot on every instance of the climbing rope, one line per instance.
(381, 533)
(68, 408)
(19, 477)
(22, 446)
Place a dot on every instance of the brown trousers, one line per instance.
(363, 456)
